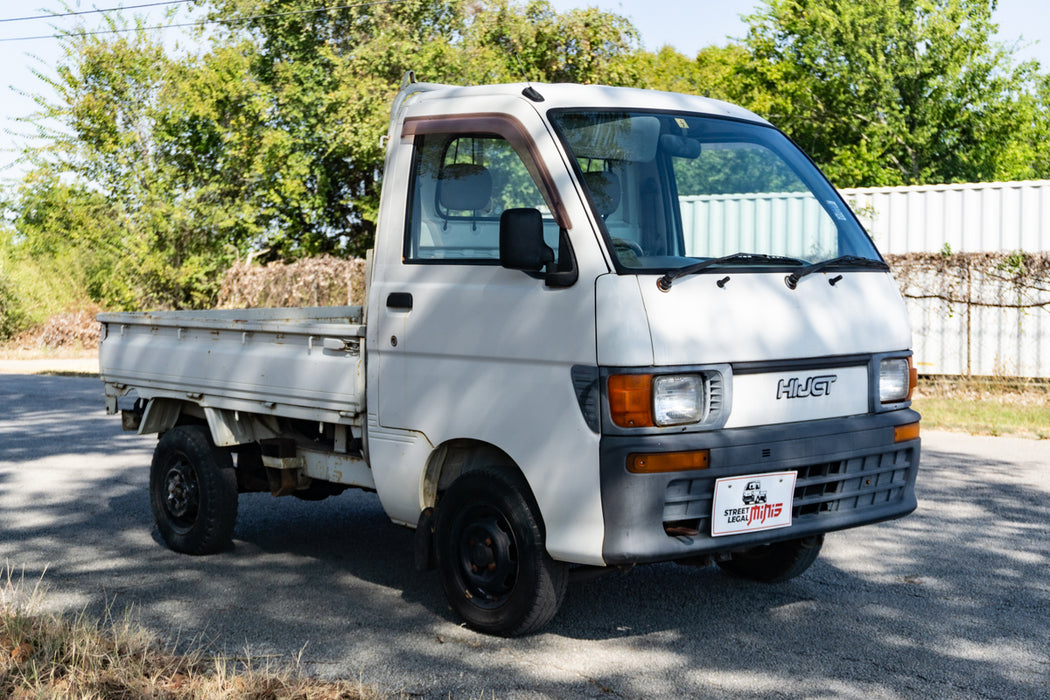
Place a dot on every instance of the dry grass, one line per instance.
(50, 656)
(320, 281)
(985, 405)
(68, 334)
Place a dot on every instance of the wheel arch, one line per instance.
(162, 414)
(227, 428)
(453, 458)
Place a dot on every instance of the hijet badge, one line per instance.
(752, 503)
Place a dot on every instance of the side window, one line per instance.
(461, 184)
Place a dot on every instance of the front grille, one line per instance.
(820, 489)
(852, 484)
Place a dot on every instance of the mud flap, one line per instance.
(423, 544)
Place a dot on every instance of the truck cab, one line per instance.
(631, 296)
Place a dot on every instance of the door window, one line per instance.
(461, 184)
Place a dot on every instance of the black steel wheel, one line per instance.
(491, 557)
(773, 563)
(193, 491)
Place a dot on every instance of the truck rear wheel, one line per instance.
(193, 491)
(773, 563)
(491, 556)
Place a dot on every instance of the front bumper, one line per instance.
(850, 473)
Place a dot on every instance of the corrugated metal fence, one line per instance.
(955, 338)
(978, 218)
(949, 338)
(770, 223)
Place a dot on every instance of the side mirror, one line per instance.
(521, 245)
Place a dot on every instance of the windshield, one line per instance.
(673, 189)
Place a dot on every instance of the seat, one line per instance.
(464, 187)
(605, 191)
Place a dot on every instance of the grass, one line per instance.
(45, 655)
(985, 406)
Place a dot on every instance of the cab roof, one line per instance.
(567, 95)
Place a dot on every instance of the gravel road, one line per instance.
(952, 601)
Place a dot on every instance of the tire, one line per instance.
(193, 491)
(491, 556)
(773, 563)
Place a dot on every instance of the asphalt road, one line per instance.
(953, 601)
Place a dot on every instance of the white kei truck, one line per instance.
(603, 327)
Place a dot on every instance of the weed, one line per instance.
(985, 405)
(45, 655)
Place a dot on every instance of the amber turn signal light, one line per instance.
(668, 462)
(903, 433)
(630, 400)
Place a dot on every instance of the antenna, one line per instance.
(529, 91)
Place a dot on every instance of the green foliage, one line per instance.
(32, 288)
(107, 202)
(164, 171)
(505, 41)
(12, 316)
(713, 73)
(894, 92)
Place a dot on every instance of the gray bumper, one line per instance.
(850, 473)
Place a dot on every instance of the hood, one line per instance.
(753, 317)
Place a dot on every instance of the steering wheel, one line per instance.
(621, 245)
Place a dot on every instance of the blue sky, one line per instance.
(687, 25)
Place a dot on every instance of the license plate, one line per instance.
(752, 503)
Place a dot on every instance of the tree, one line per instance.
(508, 42)
(893, 92)
(145, 178)
(713, 73)
(327, 76)
(331, 75)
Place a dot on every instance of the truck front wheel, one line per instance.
(773, 563)
(193, 491)
(491, 556)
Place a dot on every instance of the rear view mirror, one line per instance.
(679, 146)
(521, 245)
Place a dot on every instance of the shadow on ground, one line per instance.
(947, 602)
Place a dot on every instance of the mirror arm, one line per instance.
(556, 277)
(559, 280)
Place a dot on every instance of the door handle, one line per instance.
(399, 300)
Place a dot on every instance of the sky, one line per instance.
(687, 25)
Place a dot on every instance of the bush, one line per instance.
(12, 313)
(319, 281)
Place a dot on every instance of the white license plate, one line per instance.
(752, 503)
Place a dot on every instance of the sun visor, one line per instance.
(633, 139)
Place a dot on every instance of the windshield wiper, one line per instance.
(843, 260)
(664, 283)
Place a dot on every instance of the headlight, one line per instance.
(895, 380)
(678, 399)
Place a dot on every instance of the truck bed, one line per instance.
(304, 363)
